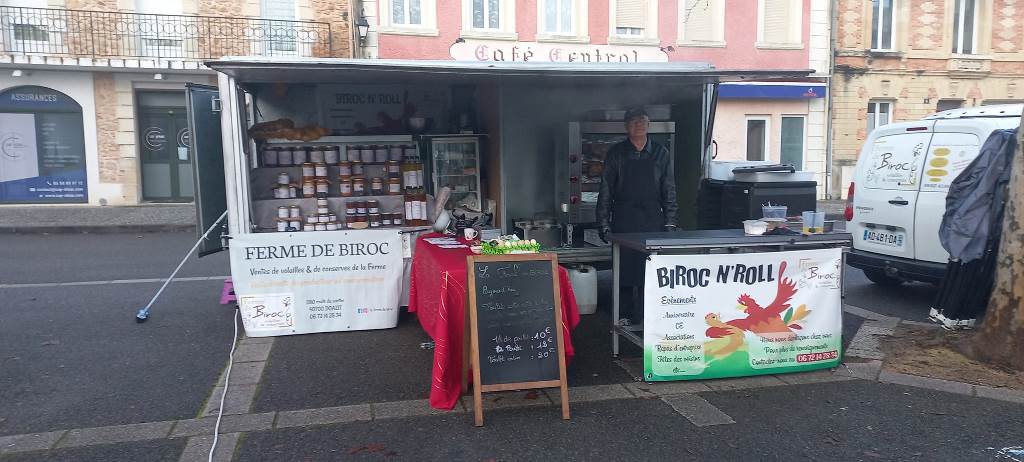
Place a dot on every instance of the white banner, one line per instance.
(543, 52)
(730, 315)
(298, 283)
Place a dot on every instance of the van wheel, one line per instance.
(879, 277)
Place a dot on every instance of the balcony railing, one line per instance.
(97, 34)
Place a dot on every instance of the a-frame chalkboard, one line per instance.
(515, 322)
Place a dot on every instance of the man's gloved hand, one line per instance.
(670, 228)
(603, 232)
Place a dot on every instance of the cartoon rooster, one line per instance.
(764, 321)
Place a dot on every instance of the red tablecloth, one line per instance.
(437, 295)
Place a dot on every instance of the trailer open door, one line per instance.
(203, 108)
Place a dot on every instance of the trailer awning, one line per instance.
(334, 70)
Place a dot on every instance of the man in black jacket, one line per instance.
(638, 195)
(638, 189)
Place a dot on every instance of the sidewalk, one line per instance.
(94, 219)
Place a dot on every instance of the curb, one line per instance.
(865, 345)
(100, 229)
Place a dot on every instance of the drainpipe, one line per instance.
(833, 21)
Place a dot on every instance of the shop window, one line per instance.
(43, 147)
(489, 19)
(964, 25)
(879, 113)
(634, 21)
(702, 22)
(949, 104)
(791, 141)
(882, 24)
(779, 23)
(412, 17)
(757, 138)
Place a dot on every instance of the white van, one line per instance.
(898, 195)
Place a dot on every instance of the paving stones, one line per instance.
(29, 442)
(697, 410)
(198, 448)
(324, 416)
(115, 434)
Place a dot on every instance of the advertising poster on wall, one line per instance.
(382, 109)
(713, 316)
(298, 283)
(42, 147)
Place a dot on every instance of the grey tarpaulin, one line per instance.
(971, 229)
(971, 204)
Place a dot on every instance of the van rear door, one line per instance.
(887, 184)
(954, 145)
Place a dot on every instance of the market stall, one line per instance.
(720, 303)
(438, 297)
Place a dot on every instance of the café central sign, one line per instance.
(499, 51)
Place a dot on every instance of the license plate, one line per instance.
(884, 238)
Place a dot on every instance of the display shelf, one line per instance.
(369, 139)
(334, 166)
(330, 198)
(264, 211)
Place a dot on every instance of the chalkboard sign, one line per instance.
(516, 325)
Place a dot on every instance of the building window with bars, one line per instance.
(965, 16)
(882, 12)
(780, 24)
(702, 22)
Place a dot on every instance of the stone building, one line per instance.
(92, 92)
(899, 60)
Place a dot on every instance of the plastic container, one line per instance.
(754, 227)
(774, 211)
(584, 284)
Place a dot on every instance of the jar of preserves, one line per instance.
(311, 219)
(320, 170)
(322, 186)
(283, 178)
(293, 191)
(380, 154)
(309, 227)
(351, 209)
(359, 186)
(377, 186)
(323, 210)
(282, 211)
(360, 208)
(345, 168)
(374, 220)
(316, 154)
(366, 154)
(394, 186)
(360, 222)
(294, 211)
(294, 224)
(308, 170)
(282, 191)
(395, 152)
(394, 168)
(331, 156)
(345, 186)
(321, 226)
(282, 225)
(284, 157)
(308, 188)
(322, 202)
(332, 226)
(385, 219)
(269, 157)
(323, 218)
(300, 156)
(333, 216)
(396, 219)
(372, 207)
(357, 167)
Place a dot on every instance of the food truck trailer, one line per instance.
(326, 169)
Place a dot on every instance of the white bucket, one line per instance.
(584, 285)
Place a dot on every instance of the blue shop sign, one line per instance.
(801, 90)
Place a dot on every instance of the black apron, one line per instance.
(636, 208)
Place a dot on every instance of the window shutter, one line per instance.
(778, 21)
(631, 13)
(698, 19)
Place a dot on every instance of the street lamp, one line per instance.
(363, 27)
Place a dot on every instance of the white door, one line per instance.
(886, 189)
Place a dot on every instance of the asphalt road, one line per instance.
(72, 356)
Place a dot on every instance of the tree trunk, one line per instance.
(1000, 340)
